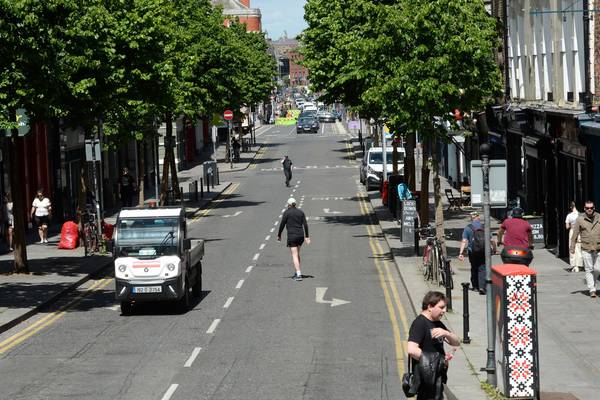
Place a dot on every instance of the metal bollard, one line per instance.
(196, 190)
(466, 338)
(218, 179)
(416, 230)
(448, 287)
(190, 190)
(201, 188)
(208, 183)
(181, 195)
(213, 180)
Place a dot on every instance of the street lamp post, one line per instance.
(490, 367)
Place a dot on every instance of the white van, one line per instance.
(308, 106)
(371, 168)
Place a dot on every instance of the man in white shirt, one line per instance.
(41, 210)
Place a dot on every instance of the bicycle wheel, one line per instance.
(86, 239)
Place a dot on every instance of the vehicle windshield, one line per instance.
(147, 237)
(377, 158)
(306, 121)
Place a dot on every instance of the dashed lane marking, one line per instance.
(192, 358)
(228, 302)
(213, 326)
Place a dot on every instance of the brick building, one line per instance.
(241, 10)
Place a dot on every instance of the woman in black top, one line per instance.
(297, 232)
(426, 345)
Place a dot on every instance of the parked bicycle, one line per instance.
(434, 260)
(91, 239)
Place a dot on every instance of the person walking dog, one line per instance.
(297, 233)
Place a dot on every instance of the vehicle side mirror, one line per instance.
(187, 244)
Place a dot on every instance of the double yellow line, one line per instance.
(49, 319)
(259, 154)
(395, 308)
(226, 193)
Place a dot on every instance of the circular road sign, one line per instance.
(228, 115)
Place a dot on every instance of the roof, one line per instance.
(150, 212)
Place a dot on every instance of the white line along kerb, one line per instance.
(256, 256)
(192, 358)
(239, 284)
(213, 326)
(262, 246)
(170, 391)
(249, 269)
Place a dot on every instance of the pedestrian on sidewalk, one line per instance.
(41, 212)
(516, 231)
(287, 170)
(426, 339)
(587, 227)
(235, 145)
(126, 188)
(474, 241)
(9, 219)
(297, 232)
(575, 259)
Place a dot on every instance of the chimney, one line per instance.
(245, 2)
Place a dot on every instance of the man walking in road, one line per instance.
(473, 239)
(587, 227)
(287, 170)
(297, 232)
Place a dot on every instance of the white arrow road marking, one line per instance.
(234, 215)
(320, 294)
(326, 211)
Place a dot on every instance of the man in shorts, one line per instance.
(297, 232)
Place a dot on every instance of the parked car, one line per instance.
(371, 167)
(326, 116)
(308, 123)
(338, 115)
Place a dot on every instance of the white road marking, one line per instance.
(273, 229)
(239, 284)
(283, 210)
(170, 391)
(262, 246)
(276, 223)
(249, 269)
(320, 294)
(326, 211)
(228, 302)
(268, 237)
(298, 182)
(256, 256)
(190, 360)
(213, 326)
(293, 190)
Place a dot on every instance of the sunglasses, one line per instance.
(588, 208)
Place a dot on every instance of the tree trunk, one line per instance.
(164, 183)
(409, 161)
(20, 265)
(437, 195)
(394, 157)
(141, 145)
(424, 200)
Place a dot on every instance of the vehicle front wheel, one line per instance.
(126, 307)
(197, 288)
(185, 302)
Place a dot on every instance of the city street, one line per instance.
(255, 333)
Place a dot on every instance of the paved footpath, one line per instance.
(569, 319)
(54, 271)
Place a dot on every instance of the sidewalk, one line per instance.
(567, 316)
(54, 272)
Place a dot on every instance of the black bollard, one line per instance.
(196, 190)
(448, 273)
(466, 338)
(416, 230)
(208, 183)
(190, 190)
(181, 195)
(201, 188)
(213, 179)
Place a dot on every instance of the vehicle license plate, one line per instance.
(147, 289)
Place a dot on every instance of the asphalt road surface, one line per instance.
(255, 333)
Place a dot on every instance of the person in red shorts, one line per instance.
(516, 231)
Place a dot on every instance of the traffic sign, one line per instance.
(228, 115)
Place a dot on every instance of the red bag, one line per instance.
(69, 234)
(384, 193)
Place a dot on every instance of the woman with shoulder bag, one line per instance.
(426, 347)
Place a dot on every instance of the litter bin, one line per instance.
(515, 317)
(210, 172)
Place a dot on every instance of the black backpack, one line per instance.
(478, 243)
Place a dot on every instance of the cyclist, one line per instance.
(473, 239)
(297, 232)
